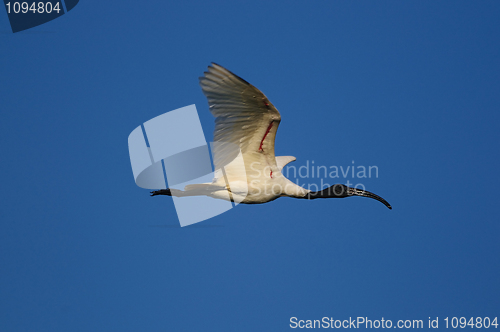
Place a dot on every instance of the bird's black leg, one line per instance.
(161, 192)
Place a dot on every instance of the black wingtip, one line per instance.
(214, 65)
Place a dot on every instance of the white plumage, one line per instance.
(245, 129)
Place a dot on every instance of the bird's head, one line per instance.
(342, 191)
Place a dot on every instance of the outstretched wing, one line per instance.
(244, 118)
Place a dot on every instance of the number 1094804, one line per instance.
(33, 7)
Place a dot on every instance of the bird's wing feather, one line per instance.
(244, 118)
(282, 161)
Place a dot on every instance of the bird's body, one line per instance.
(246, 123)
(264, 184)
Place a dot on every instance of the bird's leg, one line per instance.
(169, 192)
(162, 192)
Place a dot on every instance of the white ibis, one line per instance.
(245, 118)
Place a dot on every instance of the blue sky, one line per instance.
(411, 87)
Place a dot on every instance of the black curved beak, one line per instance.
(365, 193)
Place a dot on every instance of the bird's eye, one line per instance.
(338, 189)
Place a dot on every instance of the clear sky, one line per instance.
(411, 87)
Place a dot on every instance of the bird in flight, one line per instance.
(247, 120)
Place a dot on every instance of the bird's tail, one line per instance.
(202, 188)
